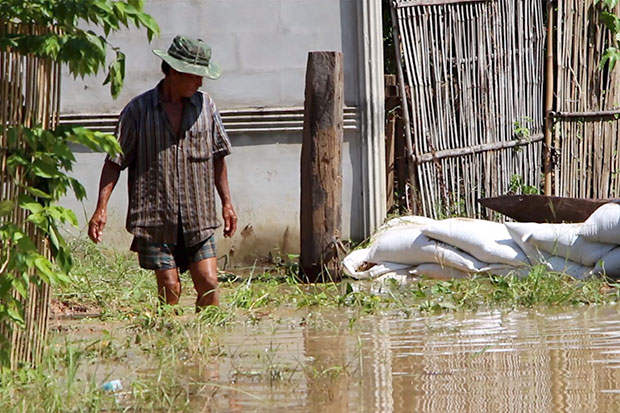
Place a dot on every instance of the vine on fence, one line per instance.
(39, 160)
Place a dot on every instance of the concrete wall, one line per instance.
(262, 47)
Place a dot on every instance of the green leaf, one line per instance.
(116, 74)
(64, 260)
(152, 28)
(6, 207)
(44, 268)
(54, 239)
(30, 205)
(45, 168)
(37, 192)
(25, 244)
(610, 57)
(78, 189)
(21, 286)
(137, 4)
(611, 21)
(15, 314)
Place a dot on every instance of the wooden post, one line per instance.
(321, 167)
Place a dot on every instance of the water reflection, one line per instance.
(521, 361)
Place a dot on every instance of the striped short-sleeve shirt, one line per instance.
(171, 177)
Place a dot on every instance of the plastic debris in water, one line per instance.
(112, 385)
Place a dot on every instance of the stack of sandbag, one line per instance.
(459, 247)
(451, 248)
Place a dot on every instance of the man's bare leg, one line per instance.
(204, 275)
(168, 285)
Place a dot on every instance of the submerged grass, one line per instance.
(156, 349)
(112, 285)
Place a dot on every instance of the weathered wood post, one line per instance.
(321, 167)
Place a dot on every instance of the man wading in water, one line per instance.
(174, 146)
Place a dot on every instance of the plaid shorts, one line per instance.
(156, 256)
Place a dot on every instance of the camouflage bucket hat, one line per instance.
(191, 56)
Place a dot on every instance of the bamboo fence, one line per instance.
(587, 103)
(30, 96)
(475, 73)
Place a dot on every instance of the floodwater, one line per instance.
(518, 361)
(548, 360)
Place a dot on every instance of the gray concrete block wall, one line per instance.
(262, 47)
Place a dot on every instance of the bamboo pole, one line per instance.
(547, 162)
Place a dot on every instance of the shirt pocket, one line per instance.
(199, 147)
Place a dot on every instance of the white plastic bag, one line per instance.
(487, 241)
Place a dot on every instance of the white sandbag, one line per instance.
(609, 264)
(505, 270)
(353, 261)
(438, 272)
(562, 240)
(407, 245)
(603, 225)
(520, 233)
(538, 257)
(562, 265)
(356, 259)
(409, 221)
(486, 240)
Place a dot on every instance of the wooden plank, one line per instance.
(321, 168)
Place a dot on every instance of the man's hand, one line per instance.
(230, 220)
(96, 225)
(109, 177)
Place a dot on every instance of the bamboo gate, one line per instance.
(486, 90)
(29, 96)
(586, 105)
(475, 74)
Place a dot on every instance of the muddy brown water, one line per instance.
(549, 360)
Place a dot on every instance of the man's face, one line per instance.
(186, 84)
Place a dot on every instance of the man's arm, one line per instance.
(221, 184)
(109, 177)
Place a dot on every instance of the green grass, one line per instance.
(111, 284)
(133, 328)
